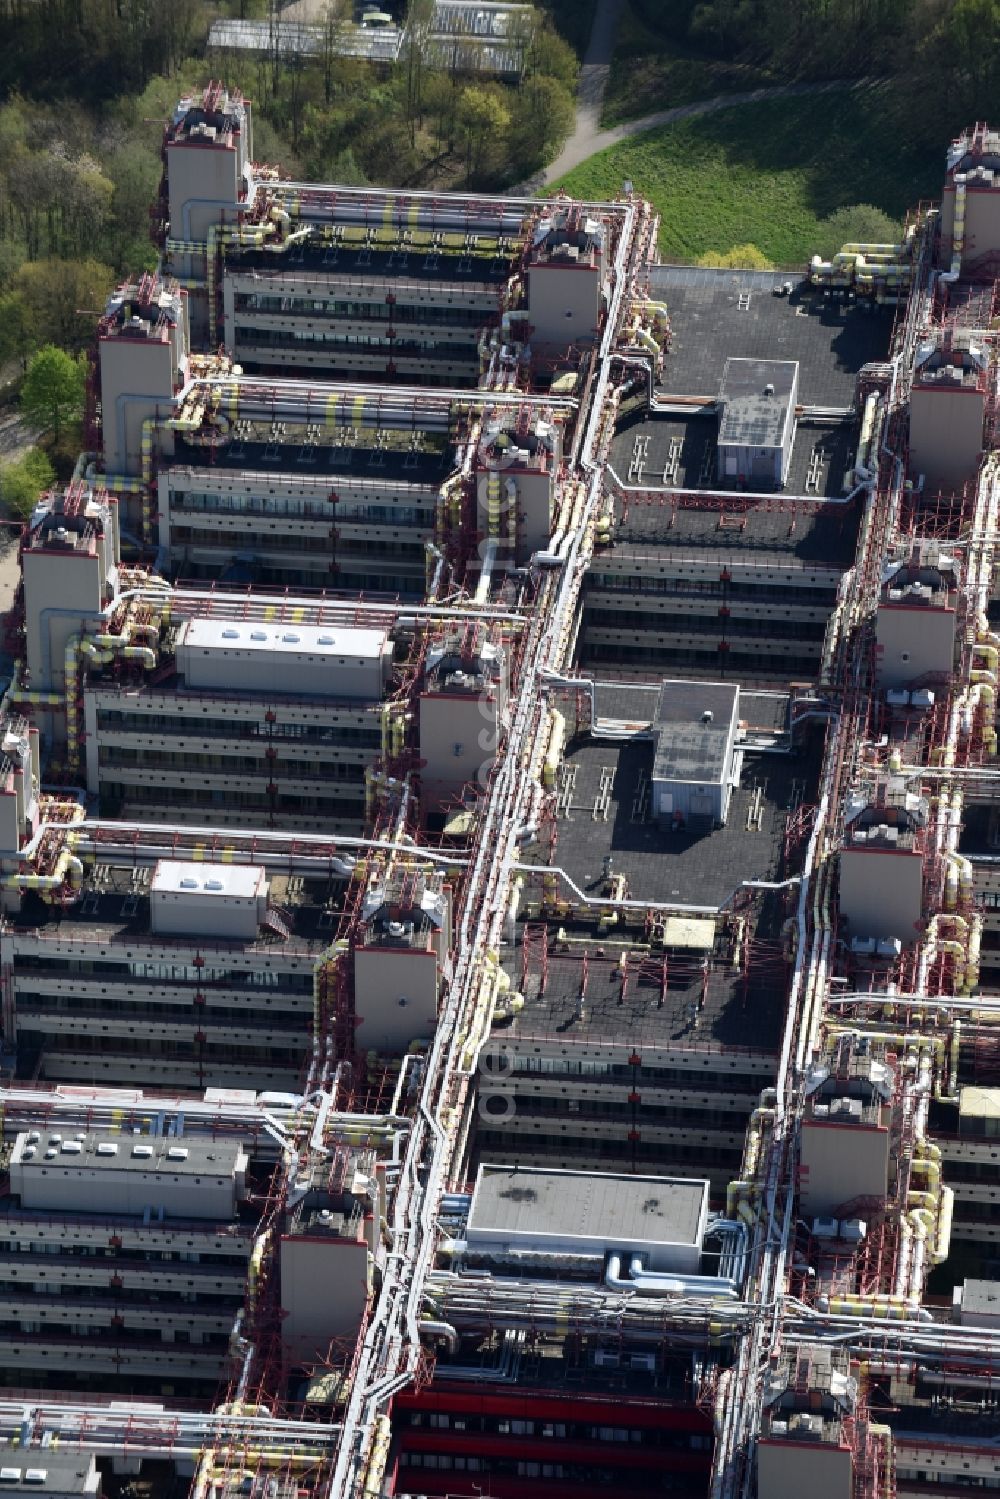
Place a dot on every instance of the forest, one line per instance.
(947, 51)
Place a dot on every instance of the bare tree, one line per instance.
(336, 21)
(419, 20)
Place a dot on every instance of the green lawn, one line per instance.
(650, 71)
(766, 173)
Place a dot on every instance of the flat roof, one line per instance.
(178, 877)
(317, 640)
(115, 1150)
(717, 314)
(682, 866)
(535, 1203)
(689, 745)
(979, 1103)
(44, 1470)
(754, 399)
(636, 702)
(681, 453)
(696, 934)
(981, 1297)
(116, 911)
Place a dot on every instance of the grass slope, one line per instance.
(651, 71)
(766, 173)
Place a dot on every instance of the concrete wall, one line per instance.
(138, 376)
(458, 741)
(838, 1162)
(565, 305)
(686, 799)
(383, 978)
(912, 640)
(761, 465)
(64, 1186)
(61, 588)
(982, 223)
(203, 913)
(946, 434)
(203, 180)
(325, 1284)
(534, 503)
(790, 1470)
(244, 666)
(881, 892)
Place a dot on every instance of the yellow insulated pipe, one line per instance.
(375, 1470)
(554, 752)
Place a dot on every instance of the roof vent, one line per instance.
(769, 389)
(708, 716)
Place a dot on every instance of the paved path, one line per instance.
(588, 138)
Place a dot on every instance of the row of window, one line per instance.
(346, 343)
(701, 1158)
(192, 761)
(230, 799)
(63, 1290)
(61, 1250)
(120, 721)
(398, 546)
(738, 631)
(616, 1107)
(643, 582)
(203, 1014)
(86, 1044)
(457, 315)
(403, 512)
(738, 658)
(11, 1329)
(172, 973)
(649, 1073)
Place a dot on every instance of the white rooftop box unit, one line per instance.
(207, 900)
(547, 1211)
(303, 660)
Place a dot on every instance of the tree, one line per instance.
(546, 53)
(859, 223)
(336, 22)
(53, 388)
(739, 258)
(483, 115)
(22, 482)
(15, 336)
(62, 299)
(544, 112)
(419, 21)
